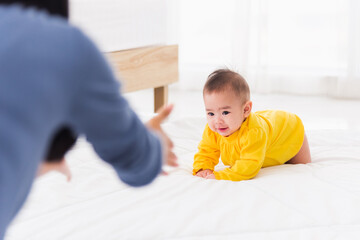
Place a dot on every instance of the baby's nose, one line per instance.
(219, 119)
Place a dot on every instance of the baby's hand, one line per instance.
(204, 173)
(210, 176)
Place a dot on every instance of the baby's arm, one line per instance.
(241, 170)
(208, 155)
(252, 155)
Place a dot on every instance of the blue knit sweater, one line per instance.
(52, 75)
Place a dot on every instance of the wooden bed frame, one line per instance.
(148, 67)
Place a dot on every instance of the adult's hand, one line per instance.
(60, 167)
(155, 124)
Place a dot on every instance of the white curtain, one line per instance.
(117, 25)
(309, 47)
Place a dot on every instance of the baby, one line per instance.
(245, 140)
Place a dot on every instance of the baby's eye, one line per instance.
(210, 114)
(225, 112)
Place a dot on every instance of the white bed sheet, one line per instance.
(117, 25)
(320, 200)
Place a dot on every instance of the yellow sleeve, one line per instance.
(208, 155)
(252, 154)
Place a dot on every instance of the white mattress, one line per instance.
(320, 200)
(117, 25)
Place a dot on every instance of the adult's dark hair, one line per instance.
(61, 142)
(55, 7)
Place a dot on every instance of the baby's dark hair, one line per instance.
(54, 7)
(62, 141)
(223, 80)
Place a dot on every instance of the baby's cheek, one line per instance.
(236, 124)
(211, 126)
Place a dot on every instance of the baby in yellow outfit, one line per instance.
(245, 140)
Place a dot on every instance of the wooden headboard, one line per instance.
(148, 67)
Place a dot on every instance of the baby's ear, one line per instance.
(247, 108)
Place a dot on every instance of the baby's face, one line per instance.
(225, 112)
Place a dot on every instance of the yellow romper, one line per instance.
(265, 138)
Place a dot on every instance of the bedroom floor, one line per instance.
(316, 112)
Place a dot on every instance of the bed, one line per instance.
(320, 200)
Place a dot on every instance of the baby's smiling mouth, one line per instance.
(222, 129)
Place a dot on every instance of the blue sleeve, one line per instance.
(110, 125)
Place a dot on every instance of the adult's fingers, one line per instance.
(172, 159)
(169, 143)
(163, 113)
(164, 173)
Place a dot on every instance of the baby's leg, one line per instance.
(303, 156)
